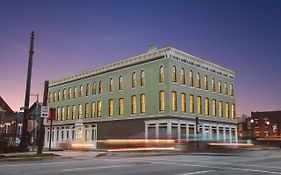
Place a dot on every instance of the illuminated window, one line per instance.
(93, 110)
(86, 110)
(207, 110)
(58, 114)
(94, 88)
(142, 103)
(161, 74)
(233, 111)
(191, 78)
(100, 87)
(111, 85)
(88, 89)
(198, 81)
(227, 110)
(142, 78)
(50, 97)
(80, 111)
(199, 105)
(134, 80)
(182, 77)
(63, 113)
(99, 108)
(59, 96)
(214, 107)
(220, 109)
(64, 94)
(231, 90)
(121, 110)
(134, 104)
(206, 82)
(213, 85)
(69, 93)
(174, 101)
(161, 101)
(81, 91)
(73, 112)
(220, 88)
(55, 97)
(75, 93)
(121, 83)
(68, 113)
(174, 74)
(110, 112)
(225, 89)
(183, 102)
(191, 104)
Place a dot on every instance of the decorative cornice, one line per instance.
(167, 52)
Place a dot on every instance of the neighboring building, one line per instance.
(160, 93)
(244, 127)
(266, 124)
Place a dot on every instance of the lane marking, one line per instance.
(96, 168)
(197, 172)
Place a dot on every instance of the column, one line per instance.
(157, 130)
(169, 129)
(179, 131)
(218, 133)
(236, 134)
(224, 136)
(146, 130)
(230, 134)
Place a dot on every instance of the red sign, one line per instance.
(52, 114)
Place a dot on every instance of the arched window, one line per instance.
(227, 110)
(220, 109)
(161, 101)
(174, 101)
(100, 87)
(50, 97)
(86, 110)
(134, 104)
(198, 81)
(99, 109)
(142, 78)
(161, 74)
(88, 89)
(174, 74)
(111, 85)
(58, 114)
(69, 93)
(233, 111)
(134, 80)
(94, 88)
(214, 107)
(80, 111)
(121, 83)
(81, 91)
(121, 110)
(64, 94)
(63, 113)
(231, 90)
(142, 103)
(59, 95)
(191, 78)
(199, 105)
(206, 82)
(68, 113)
(93, 109)
(183, 102)
(75, 93)
(73, 112)
(191, 104)
(220, 89)
(110, 110)
(213, 88)
(207, 111)
(182, 77)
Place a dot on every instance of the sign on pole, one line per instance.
(44, 111)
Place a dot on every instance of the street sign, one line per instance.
(44, 111)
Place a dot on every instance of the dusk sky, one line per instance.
(75, 35)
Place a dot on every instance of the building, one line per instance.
(244, 127)
(163, 93)
(266, 124)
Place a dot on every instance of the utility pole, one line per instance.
(25, 138)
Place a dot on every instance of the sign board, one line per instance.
(44, 111)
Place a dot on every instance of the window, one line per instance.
(81, 91)
(134, 104)
(233, 111)
(68, 113)
(94, 88)
(225, 89)
(220, 109)
(110, 111)
(174, 101)
(134, 80)
(59, 96)
(199, 105)
(63, 113)
(174, 74)
(198, 81)
(206, 82)
(182, 77)
(93, 110)
(121, 110)
(142, 103)
(100, 87)
(220, 89)
(121, 83)
(58, 114)
(191, 104)
(69, 94)
(75, 93)
(64, 94)
(111, 85)
(161, 101)
(99, 109)
(73, 112)
(161, 74)
(142, 78)
(183, 102)
(50, 97)
(207, 110)
(214, 107)
(227, 110)
(231, 90)
(86, 110)
(213, 88)
(55, 97)
(80, 111)
(191, 78)
(88, 89)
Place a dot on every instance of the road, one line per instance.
(258, 162)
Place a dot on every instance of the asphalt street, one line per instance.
(258, 162)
